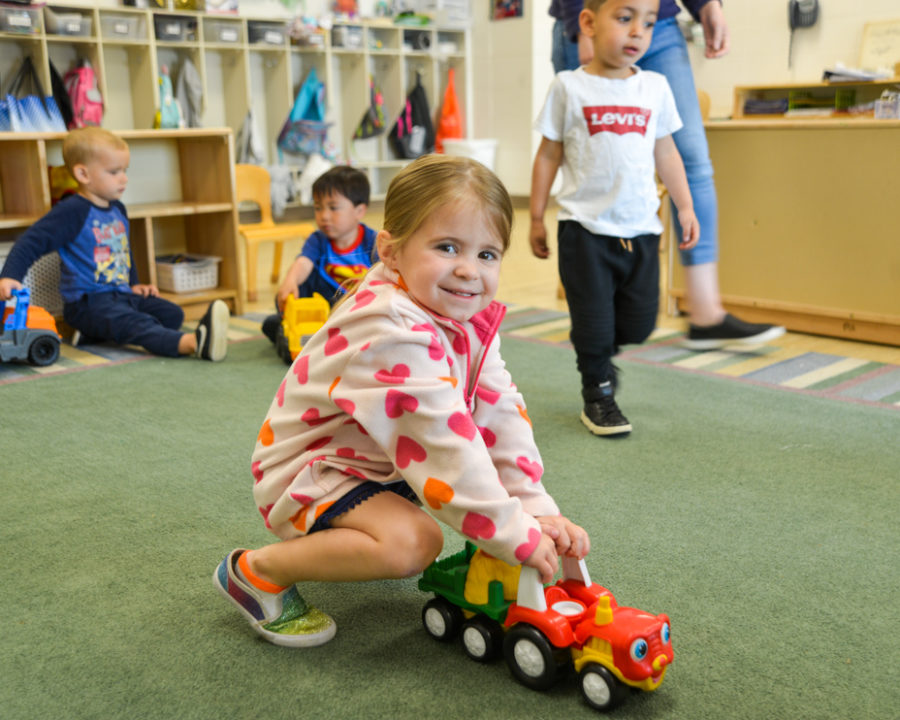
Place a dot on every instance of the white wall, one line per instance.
(759, 45)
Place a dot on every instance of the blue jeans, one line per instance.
(668, 55)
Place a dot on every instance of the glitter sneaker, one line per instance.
(283, 619)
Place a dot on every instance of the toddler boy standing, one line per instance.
(609, 124)
(99, 284)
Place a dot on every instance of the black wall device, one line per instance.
(801, 14)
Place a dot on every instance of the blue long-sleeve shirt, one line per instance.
(93, 247)
(568, 10)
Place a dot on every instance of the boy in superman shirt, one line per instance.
(339, 252)
(99, 285)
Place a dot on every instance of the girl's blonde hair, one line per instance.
(435, 181)
(83, 145)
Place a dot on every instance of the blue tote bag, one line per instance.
(35, 112)
(305, 129)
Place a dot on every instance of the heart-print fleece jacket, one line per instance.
(387, 390)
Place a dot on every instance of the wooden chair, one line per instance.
(253, 184)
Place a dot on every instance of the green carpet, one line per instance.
(764, 522)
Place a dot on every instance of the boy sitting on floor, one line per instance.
(99, 286)
(340, 251)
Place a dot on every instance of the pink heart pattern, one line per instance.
(489, 396)
(363, 298)
(398, 402)
(301, 369)
(336, 342)
(409, 451)
(462, 425)
(347, 406)
(318, 443)
(478, 526)
(279, 396)
(311, 417)
(531, 468)
(489, 438)
(257, 471)
(264, 511)
(302, 499)
(396, 375)
(523, 552)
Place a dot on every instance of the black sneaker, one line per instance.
(601, 415)
(212, 332)
(730, 331)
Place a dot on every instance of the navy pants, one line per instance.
(128, 319)
(612, 288)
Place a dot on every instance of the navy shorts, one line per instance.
(357, 496)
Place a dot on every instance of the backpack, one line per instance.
(87, 103)
(413, 132)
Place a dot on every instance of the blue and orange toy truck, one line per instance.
(28, 332)
(541, 631)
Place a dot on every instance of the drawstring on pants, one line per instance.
(626, 244)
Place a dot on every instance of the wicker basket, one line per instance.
(187, 273)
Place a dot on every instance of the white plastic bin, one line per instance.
(483, 150)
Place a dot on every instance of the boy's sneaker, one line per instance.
(730, 331)
(212, 332)
(283, 619)
(601, 415)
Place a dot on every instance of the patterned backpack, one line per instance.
(87, 103)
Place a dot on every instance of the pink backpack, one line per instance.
(87, 103)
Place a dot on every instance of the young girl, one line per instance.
(400, 399)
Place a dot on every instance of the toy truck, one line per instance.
(28, 332)
(300, 319)
(541, 631)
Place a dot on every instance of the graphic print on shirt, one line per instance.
(341, 272)
(619, 119)
(111, 253)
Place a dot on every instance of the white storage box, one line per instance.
(484, 150)
(222, 31)
(267, 33)
(169, 27)
(123, 27)
(18, 20)
(67, 23)
(187, 273)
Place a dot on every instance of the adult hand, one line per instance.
(715, 29)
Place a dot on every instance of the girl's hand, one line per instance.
(544, 559)
(569, 539)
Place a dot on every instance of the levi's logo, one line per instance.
(619, 119)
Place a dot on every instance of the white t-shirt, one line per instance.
(609, 128)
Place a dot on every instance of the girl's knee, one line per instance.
(417, 546)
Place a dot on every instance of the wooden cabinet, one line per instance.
(802, 100)
(180, 198)
(245, 62)
(808, 224)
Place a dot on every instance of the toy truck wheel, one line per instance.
(600, 688)
(441, 619)
(531, 658)
(281, 346)
(43, 351)
(482, 638)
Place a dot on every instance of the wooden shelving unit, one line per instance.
(180, 198)
(246, 62)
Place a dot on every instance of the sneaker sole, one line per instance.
(275, 638)
(218, 331)
(716, 343)
(605, 431)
